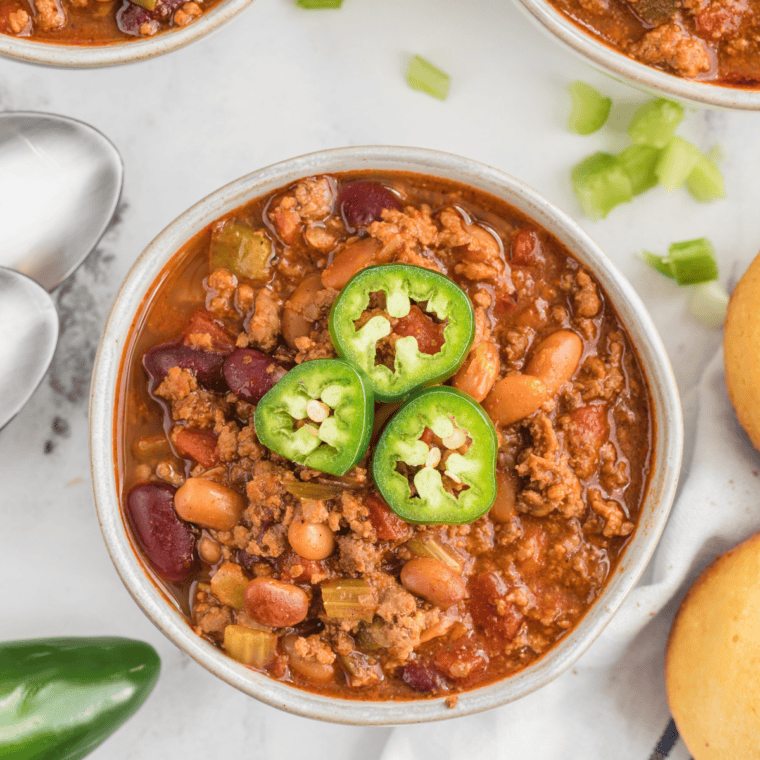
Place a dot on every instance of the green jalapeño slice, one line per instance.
(319, 415)
(403, 326)
(436, 459)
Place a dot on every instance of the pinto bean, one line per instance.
(274, 603)
(503, 509)
(352, 259)
(311, 670)
(479, 372)
(434, 581)
(515, 397)
(209, 504)
(555, 359)
(294, 324)
(311, 540)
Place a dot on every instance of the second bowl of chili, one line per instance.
(305, 588)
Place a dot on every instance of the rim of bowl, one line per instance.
(93, 56)
(638, 74)
(663, 480)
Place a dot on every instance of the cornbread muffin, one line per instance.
(712, 664)
(741, 350)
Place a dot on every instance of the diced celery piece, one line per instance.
(658, 263)
(373, 636)
(709, 302)
(590, 109)
(251, 647)
(349, 600)
(693, 261)
(655, 123)
(242, 250)
(716, 154)
(149, 5)
(705, 182)
(430, 546)
(313, 491)
(600, 183)
(639, 162)
(676, 163)
(317, 4)
(423, 76)
(228, 585)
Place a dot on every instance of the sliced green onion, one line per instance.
(600, 183)
(639, 163)
(693, 261)
(658, 263)
(705, 182)
(708, 303)
(655, 123)
(676, 163)
(590, 109)
(425, 77)
(317, 4)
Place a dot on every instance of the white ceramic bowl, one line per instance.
(92, 56)
(654, 512)
(620, 66)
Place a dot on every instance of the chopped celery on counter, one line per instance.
(423, 76)
(590, 109)
(639, 163)
(708, 303)
(676, 163)
(658, 263)
(601, 183)
(693, 261)
(655, 123)
(705, 182)
(317, 4)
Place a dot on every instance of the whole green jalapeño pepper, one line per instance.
(413, 364)
(436, 459)
(60, 698)
(319, 415)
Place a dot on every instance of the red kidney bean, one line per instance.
(207, 366)
(362, 203)
(245, 560)
(250, 374)
(423, 678)
(168, 543)
(131, 17)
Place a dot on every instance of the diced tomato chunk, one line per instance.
(416, 323)
(203, 323)
(533, 547)
(387, 524)
(526, 249)
(295, 568)
(718, 21)
(423, 678)
(460, 660)
(200, 445)
(499, 619)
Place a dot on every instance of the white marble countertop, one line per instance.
(274, 83)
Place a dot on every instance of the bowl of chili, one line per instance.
(702, 53)
(411, 580)
(102, 33)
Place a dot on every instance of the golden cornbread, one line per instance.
(741, 351)
(712, 663)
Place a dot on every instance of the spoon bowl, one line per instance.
(59, 185)
(27, 340)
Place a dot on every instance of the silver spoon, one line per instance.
(60, 181)
(27, 339)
